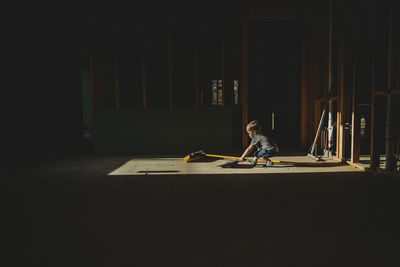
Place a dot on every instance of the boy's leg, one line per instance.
(254, 161)
(256, 157)
(268, 164)
(268, 161)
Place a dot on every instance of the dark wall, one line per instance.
(156, 45)
(42, 105)
(46, 46)
(162, 132)
(155, 41)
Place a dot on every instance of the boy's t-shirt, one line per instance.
(262, 142)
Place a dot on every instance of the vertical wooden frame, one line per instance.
(340, 140)
(244, 74)
(374, 155)
(330, 75)
(355, 118)
(390, 162)
(116, 62)
(143, 56)
(222, 22)
(91, 70)
(170, 88)
(196, 62)
(304, 88)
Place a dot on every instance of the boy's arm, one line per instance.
(247, 151)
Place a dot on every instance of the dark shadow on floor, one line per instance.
(286, 164)
(71, 213)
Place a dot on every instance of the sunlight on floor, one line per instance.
(176, 166)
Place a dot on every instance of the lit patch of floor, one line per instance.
(167, 166)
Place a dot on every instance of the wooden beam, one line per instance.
(91, 70)
(170, 91)
(304, 90)
(355, 117)
(244, 75)
(328, 152)
(390, 46)
(196, 62)
(330, 40)
(143, 54)
(340, 140)
(374, 155)
(116, 76)
(274, 13)
(222, 53)
(390, 160)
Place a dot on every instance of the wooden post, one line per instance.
(355, 117)
(340, 138)
(196, 61)
(304, 88)
(390, 161)
(374, 155)
(116, 77)
(330, 102)
(222, 21)
(91, 70)
(143, 54)
(170, 94)
(244, 75)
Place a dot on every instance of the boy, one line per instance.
(265, 146)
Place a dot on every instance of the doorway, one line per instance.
(274, 79)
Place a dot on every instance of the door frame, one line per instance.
(270, 14)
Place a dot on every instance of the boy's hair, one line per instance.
(253, 126)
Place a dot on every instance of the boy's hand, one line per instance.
(241, 159)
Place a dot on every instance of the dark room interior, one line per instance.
(103, 102)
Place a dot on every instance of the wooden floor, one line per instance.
(176, 165)
(71, 212)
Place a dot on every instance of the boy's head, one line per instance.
(253, 128)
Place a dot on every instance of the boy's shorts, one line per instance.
(263, 153)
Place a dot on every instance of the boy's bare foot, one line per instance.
(253, 162)
(268, 164)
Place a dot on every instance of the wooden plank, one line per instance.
(244, 75)
(390, 47)
(91, 70)
(390, 163)
(170, 90)
(355, 117)
(143, 54)
(374, 155)
(340, 140)
(116, 76)
(328, 151)
(304, 90)
(196, 63)
(222, 53)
